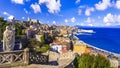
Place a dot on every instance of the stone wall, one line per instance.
(14, 58)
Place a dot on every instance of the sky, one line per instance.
(64, 12)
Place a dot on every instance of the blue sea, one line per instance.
(104, 38)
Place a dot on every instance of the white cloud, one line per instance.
(118, 4)
(77, 1)
(89, 20)
(99, 17)
(102, 5)
(88, 11)
(52, 5)
(25, 11)
(8, 15)
(27, 0)
(54, 22)
(35, 7)
(118, 18)
(18, 1)
(109, 18)
(79, 11)
(108, 24)
(23, 17)
(90, 24)
(85, 24)
(66, 20)
(73, 19)
(82, 24)
(82, 6)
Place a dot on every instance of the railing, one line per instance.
(38, 58)
(14, 58)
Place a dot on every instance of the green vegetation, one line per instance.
(101, 61)
(3, 25)
(43, 49)
(42, 39)
(91, 61)
(39, 47)
(18, 28)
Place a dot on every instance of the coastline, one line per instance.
(99, 50)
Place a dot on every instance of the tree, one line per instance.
(0, 35)
(18, 30)
(101, 62)
(37, 46)
(91, 61)
(76, 63)
(85, 61)
(3, 25)
(44, 48)
(42, 38)
(2, 19)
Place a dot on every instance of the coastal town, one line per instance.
(39, 45)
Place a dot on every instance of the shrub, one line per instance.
(37, 46)
(91, 61)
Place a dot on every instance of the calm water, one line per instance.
(105, 38)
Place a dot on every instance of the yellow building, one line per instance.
(79, 48)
